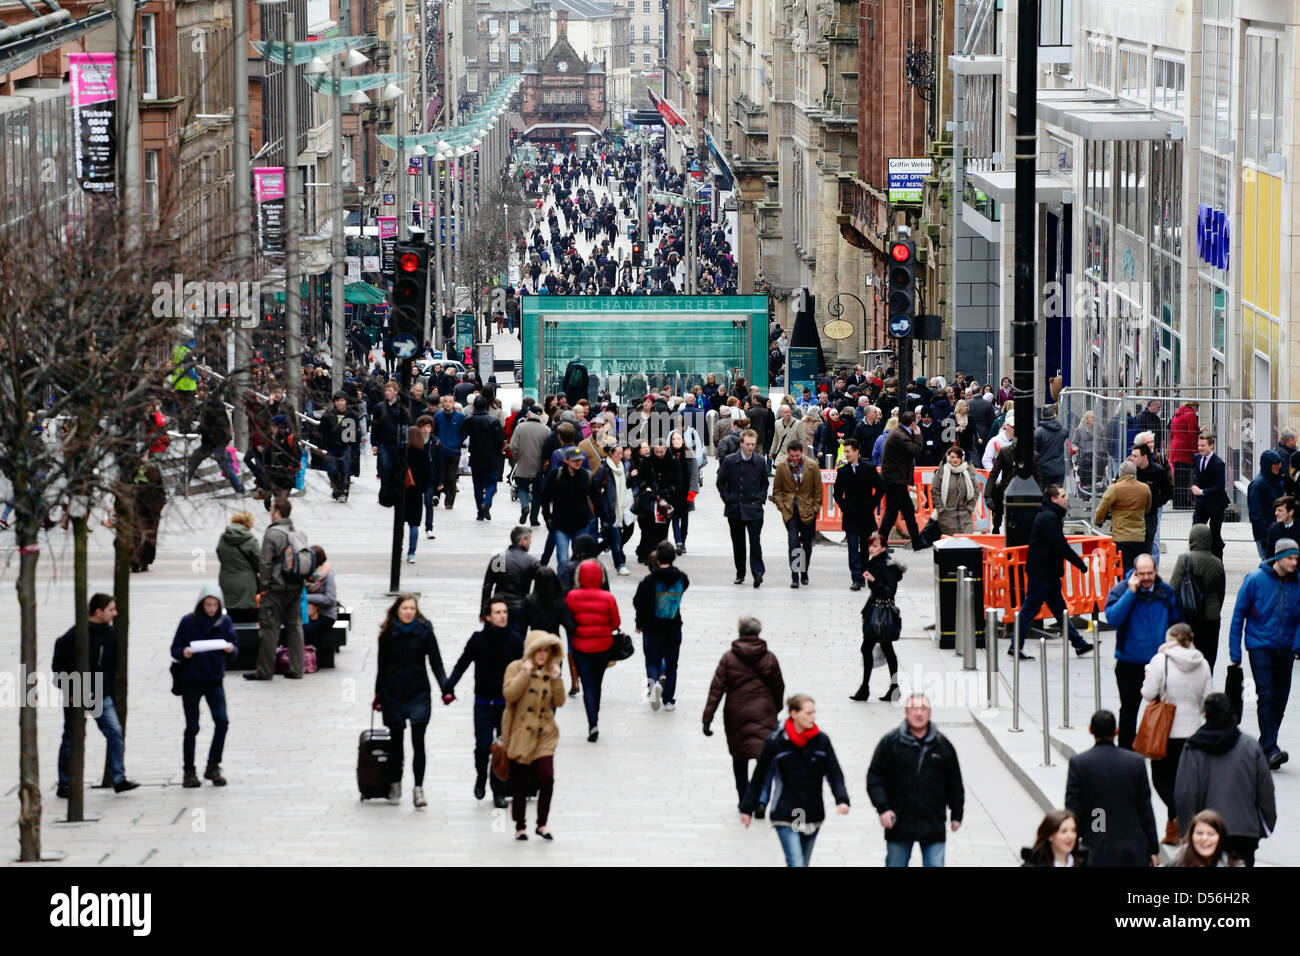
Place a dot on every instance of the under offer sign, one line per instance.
(907, 179)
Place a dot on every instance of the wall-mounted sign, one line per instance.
(268, 194)
(387, 242)
(1212, 236)
(906, 179)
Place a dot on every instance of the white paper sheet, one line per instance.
(215, 644)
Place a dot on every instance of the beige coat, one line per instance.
(1127, 502)
(808, 494)
(954, 505)
(782, 435)
(528, 725)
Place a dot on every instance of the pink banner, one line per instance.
(93, 78)
(268, 183)
(387, 227)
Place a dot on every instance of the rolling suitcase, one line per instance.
(373, 755)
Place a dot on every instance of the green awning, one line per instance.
(363, 293)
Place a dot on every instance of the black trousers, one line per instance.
(1128, 677)
(1204, 514)
(1129, 551)
(898, 501)
(1206, 637)
(800, 542)
(487, 724)
(1244, 848)
(739, 530)
(1163, 772)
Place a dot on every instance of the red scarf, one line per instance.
(796, 738)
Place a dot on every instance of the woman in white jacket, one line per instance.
(1180, 674)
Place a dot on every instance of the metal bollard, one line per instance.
(991, 655)
(1042, 669)
(1015, 674)
(1096, 662)
(966, 595)
(1065, 671)
(958, 616)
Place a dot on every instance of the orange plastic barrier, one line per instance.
(829, 519)
(922, 479)
(1005, 575)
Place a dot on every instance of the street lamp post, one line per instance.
(243, 215)
(337, 278)
(292, 306)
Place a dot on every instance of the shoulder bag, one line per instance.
(1152, 738)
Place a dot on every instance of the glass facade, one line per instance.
(632, 343)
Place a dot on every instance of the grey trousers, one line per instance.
(277, 607)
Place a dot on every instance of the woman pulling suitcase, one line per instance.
(402, 691)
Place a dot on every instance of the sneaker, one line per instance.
(1023, 655)
(1278, 758)
(803, 577)
(417, 796)
(191, 780)
(855, 586)
(394, 793)
(623, 571)
(123, 785)
(487, 514)
(670, 705)
(410, 559)
(1083, 648)
(656, 695)
(429, 535)
(523, 516)
(592, 735)
(213, 773)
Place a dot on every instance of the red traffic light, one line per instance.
(900, 252)
(408, 262)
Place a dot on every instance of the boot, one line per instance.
(862, 693)
(213, 773)
(573, 677)
(891, 694)
(191, 780)
(1171, 833)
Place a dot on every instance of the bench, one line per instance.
(248, 641)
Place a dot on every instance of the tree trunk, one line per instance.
(29, 767)
(78, 689)
(122, 623)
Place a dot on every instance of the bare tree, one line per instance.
(489, 244)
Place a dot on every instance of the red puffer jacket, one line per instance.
(1183, 431)
(592, 610)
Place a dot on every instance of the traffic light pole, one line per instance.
(1023, 495)
(293, 192)
(397, 478)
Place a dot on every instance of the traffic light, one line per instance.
(636, 253)
(410, 296)
(902, 287)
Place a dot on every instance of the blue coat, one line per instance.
(1141, 619)
(208, 667)
(1269, 609)
(1264, 489)
(446, 431)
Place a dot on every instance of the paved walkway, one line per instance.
(653, 790)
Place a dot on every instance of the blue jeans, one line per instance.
(798, 846)
(412, 536)
(1259, 546)
(339, 468)
(661, 653)
(611, 536)
(1271, 670)
(485, 487)
(110, 727)
(562, 542)
(215, 695)
(899, 853)
(385, 463)
(430, 493)
(530, 497)
(223, 462)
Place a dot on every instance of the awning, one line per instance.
(562, 128)
(724, 177)
(670, 115)
(1092, 116)
(1001, 185)
(363, 293)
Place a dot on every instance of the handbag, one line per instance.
(931, 532)
(176, 669)
(500, 762)
(1152, 738)
(885, 621)
(622, 648)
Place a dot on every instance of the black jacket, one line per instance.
(658, 600)
(510, 577)
(856, 495)
(1048, 546)
(1212, 482)
(334, 430)
(214, 426)
(103, 653)
(490, 651)
(386, 424)
(920, 780)
(566, 504)
(401, 676)
(898, 460)
(486, 440)
(800, 772)
(1110, 784)
(743, 486)
(886, 573)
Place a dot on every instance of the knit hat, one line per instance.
(1285, 548)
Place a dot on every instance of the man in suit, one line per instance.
(857, 491)
(1209, 487)
(1108, 791)
(742, 485)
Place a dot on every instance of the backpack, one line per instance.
(297, 560)
(1191, 596)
